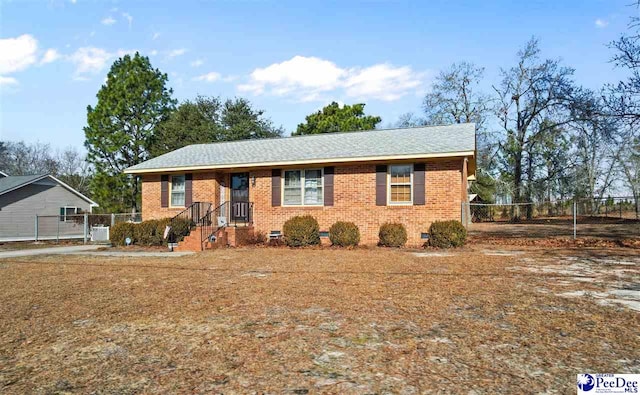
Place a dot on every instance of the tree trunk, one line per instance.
(517, 183)
(529, 185)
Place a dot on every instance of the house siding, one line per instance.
(354, 199)
(18, 209)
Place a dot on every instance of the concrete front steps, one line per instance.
(229, 236)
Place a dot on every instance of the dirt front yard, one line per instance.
(479, 320)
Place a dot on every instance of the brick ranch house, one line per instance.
(412, 175)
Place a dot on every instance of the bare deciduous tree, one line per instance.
(455, 97)
(536, 97)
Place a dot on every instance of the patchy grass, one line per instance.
(28, 245)
(329, 321)
(558, 231)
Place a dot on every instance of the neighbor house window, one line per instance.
(177, 191)
(302, 187)
(400, 184)
(67, 212)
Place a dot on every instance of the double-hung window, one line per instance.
(400, 184)
(177, 191)
(67, 213)
(303, 187)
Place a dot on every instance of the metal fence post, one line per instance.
(36, 228)
(575, 222)
(86, 226)
(620, 204)
(113, 219)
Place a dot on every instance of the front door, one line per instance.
(240, 197)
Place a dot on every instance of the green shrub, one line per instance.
(180, 227)
(344, 234)
(447, 234)
(120, 231)
(392, 235)
(301, 231)
(146, 233)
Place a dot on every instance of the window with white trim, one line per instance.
(400, 184)
(177, 191)
(303, 187)
(66, 213)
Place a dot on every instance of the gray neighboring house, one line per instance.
(24, 197)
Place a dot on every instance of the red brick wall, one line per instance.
(205, 186)
(354, 200)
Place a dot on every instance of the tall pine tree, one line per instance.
(132, 102)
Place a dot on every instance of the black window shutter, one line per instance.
(188, 189)
(381, 185)
(418, 184)
(164, 191)
(275, 187)
(328, 185)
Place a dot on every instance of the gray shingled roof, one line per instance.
(12, 182)
(430, 140)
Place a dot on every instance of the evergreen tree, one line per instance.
(131, 104)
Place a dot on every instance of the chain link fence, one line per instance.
(74, 226)
(614, 218)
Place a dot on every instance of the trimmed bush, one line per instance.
(180, 228)
(120, 231)
(146, 233)
(447, 234)
(301, 231)
(392, 235)
(344, 234)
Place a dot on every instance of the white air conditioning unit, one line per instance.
(100, 233)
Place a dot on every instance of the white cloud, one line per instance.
(601, 23)
(176, 52)
(89, 60)
(17, 53)
(128, 17)
(298, 73)
(73, 1)
(314, 79)
(197, 63)
(383, 82)
(155, 36)
(6, 81)
(153, 52)
(108, 21)
(51, 55)
(209, 77)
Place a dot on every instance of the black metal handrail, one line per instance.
(194, 213)
(227, 214)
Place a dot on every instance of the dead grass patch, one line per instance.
(298, 321)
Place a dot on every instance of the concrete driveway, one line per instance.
(86, 250)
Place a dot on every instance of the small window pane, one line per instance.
(400, 174)
(400, 184)
(292, 187)
(313, 187)
(400, 193)
(177, 191)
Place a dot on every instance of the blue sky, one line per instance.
(289, 58)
